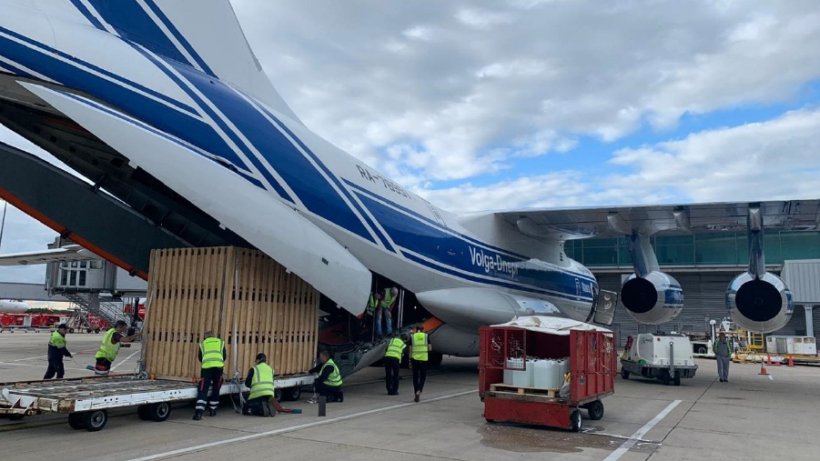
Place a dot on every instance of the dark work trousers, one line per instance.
(419, 374)
(259, 406)
(211, 377)
(333, 394)
(55, 363)
(391, 375)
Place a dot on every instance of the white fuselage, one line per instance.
(70, 55)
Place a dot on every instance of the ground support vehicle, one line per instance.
(592, 368)
(87, 401)
(667, 358)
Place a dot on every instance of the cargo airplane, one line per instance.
(164, 109)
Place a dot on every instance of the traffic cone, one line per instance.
(763, 371)
(791, 360)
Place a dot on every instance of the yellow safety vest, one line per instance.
(212, 352)
(57, 340)
(395, 348)
(108, 350)
(372, 302)
(419, 350)
(262, 381)
(388, 298)
(335, 378)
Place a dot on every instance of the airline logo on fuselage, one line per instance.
(492, 262)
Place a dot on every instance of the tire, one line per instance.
(75, 420)
(97, 330)
(575, 421)
(292, 394)
(676, 379)
(624, 373)
(664, 377)
(159, 411)
(595, 410)
(94, 421)
(277, 394)
(700, 350)
(71, 330)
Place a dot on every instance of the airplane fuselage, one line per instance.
(175, 95)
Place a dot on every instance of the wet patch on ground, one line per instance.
(530, 439)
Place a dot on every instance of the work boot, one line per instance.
(212, 412)
(197, 415)
(416, 398)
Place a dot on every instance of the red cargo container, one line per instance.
(592, 369)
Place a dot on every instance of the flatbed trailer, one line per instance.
(87, 401)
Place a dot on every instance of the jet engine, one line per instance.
(761, 304)
(653, 299)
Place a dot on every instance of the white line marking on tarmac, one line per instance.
(126, 359)
(283, 430)
(641, 432)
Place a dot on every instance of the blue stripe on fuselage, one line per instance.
(82, 9)
(155, 113)
(457, 256)
(180, 38)
(153, 130)
(132, 23)
(315, 192)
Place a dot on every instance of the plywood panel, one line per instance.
(243, 295)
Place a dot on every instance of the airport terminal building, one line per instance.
(704, 264)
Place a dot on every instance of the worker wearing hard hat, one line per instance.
(723, 349)
(56, 351)
(392, 360)
(419, 351)
(212, 354)
(261, 383)
(110, 345)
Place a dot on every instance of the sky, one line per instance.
(489, 105)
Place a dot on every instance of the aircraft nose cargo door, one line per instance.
(536, 375)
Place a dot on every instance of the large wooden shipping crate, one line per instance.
(243, 295)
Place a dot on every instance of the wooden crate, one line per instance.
(243, 295)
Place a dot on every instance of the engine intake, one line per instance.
(759, 304)
(654, 299)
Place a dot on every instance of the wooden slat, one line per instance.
(243, 295)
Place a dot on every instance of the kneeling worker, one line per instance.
(329, 381)
(260, 382)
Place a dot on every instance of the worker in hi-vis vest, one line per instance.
(56, 351)
(261, 383)
(419, 350)
(368, 325)
(212, 354)
(329, 381)
(385, 310)
(392, 361)
(110, 345)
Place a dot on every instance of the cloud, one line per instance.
(773, 160)
(460, 78)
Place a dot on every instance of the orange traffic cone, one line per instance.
(791, 360)
(763, 371)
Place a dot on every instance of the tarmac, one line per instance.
(751, 417)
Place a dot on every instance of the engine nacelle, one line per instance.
(654, 299)
(759, 304)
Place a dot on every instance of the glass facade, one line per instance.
(707, 249)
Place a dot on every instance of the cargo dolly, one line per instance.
(88, 400)
(592, 369)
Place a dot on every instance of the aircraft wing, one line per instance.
(67, 253)
(568, 224)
